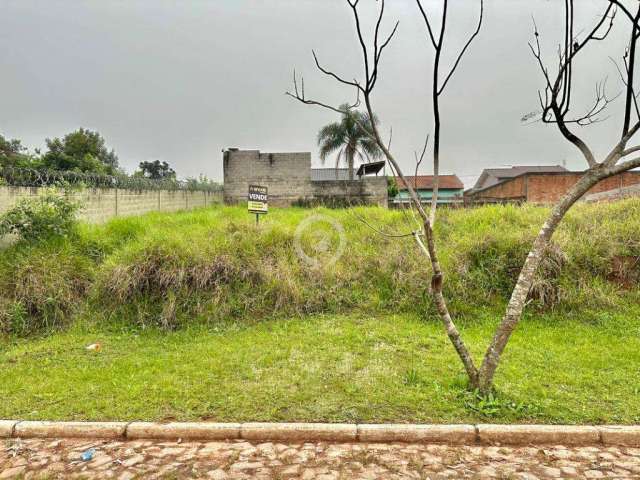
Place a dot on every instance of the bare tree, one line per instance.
(556, 102)
(438, 86)
(372, 56)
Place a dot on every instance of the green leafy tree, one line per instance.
(157, 170)
(392, 187)
(14, 154)
(202, 182)
(80, 151)
(351, 137)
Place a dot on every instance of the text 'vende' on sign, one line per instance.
(258, 199)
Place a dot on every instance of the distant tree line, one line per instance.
(83, 154)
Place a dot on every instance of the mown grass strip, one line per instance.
(353, 369)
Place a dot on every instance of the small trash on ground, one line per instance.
(94, 347)
(88, 455)
(16, 448)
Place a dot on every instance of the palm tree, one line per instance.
(351, 138)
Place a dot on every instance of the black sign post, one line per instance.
(258, 201)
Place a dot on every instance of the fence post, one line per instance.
(116, 201)
(159, 195)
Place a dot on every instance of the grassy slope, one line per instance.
(326, 368)
(222, 279)
(215, 264)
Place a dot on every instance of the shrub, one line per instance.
(46, 216)
(495, 263)
(13, 318)
(41, 286)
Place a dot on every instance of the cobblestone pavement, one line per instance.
(46, 459)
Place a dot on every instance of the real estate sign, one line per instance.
(258, 199)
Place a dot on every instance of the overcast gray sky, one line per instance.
(181, 80)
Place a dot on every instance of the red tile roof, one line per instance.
(425, 182)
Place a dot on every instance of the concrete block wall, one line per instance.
(375, 189)
(172, 201)
(136, 202)
(287, 175)
(101, 204)
(369, 191)
(9, 196)
(288, 178)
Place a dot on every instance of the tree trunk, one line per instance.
(351, 153)
(436, 161)
(437, 277)
(525, 280)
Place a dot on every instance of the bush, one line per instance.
(43, 217)
(41, 286)
(495, 263)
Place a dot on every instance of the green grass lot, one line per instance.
(204, 315)
(327, 368)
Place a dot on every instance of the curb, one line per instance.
(608, 435)
(185, 431)
(106, 430)
(449, 434)
(538, 434)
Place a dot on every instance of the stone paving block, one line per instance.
(299, 432)
(450, 434)
(185, 431)
(620, 435)
(93, 430)
(538, 434)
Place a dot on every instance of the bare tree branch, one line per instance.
(428, 24)
(629, 151)
(438, 88)
(626, 11)
(464, 49)
(626, 166)
(331, 74)
(631, 98)
(299, 95)
(557, 101)
(379, 231)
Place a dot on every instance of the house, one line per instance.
(539, 186)
(450, 190)
(492, 176)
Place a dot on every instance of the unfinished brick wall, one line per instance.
(101, 204)
(512, 190)
(546, 187)
(288, 178)
(369, 191)
(550, 188)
